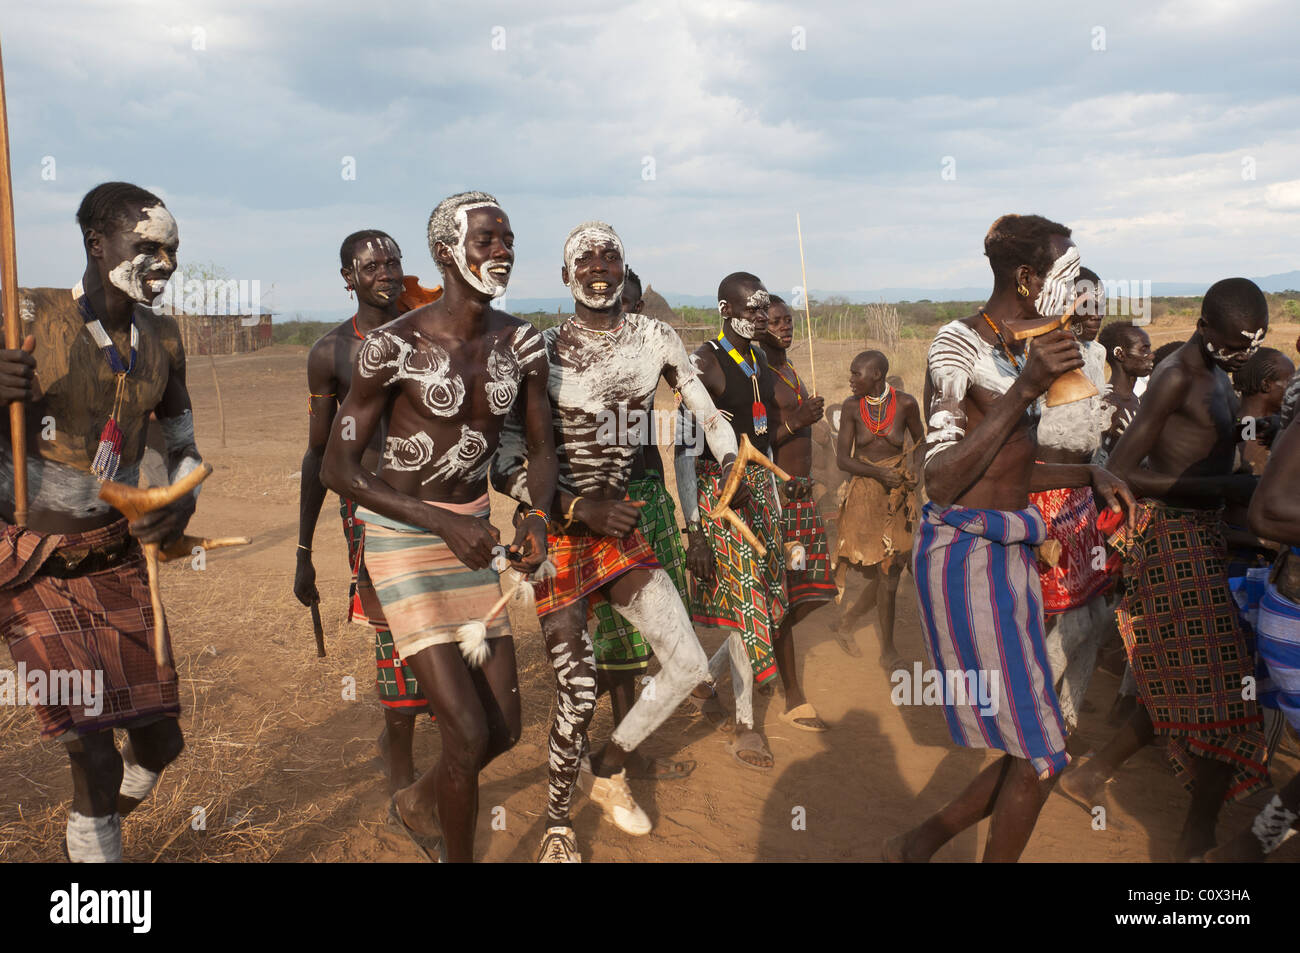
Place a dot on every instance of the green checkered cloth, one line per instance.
(619, 646)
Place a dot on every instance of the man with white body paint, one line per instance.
(439, 381)
(603, 359)
(371, 266)
(74, 593)
(973, 556)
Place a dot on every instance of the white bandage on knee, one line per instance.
(137, 782)
(94, 840)
(1273, 825)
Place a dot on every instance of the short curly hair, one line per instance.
(112, 205)
(1118, 334)
(443, 226)
(1015, 240)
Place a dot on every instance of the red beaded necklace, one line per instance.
(886, 420)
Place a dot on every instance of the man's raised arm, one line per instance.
(956, 459)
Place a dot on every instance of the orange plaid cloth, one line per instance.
(585, 563)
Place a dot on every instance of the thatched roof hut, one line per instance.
(654, 304)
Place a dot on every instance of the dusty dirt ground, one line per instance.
(280, 766)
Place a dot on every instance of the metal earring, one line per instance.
(1024, 292)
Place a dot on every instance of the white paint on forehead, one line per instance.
(157, 225)
(462, 216)
(485, 282)
(759, 299)
(382, 246)
(589, 238)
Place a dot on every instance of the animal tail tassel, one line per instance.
(472, 636)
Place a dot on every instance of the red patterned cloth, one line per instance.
(801, 523)
(99, 623)
(1184, 639)
(585, 563)
(1071, 517)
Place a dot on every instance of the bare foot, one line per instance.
(419, 817)
(895, 850)
(1084, 785)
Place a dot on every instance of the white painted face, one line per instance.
(746, 328)
(1059, 284)
(144, 277)
(593, 239)
(377, 250)
(1231, 360)
(496, 274)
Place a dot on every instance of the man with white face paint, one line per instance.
(735, 587)
(973, 554)
(1078, 614)
(371, 266)
(1178, 620)
(604, 360)
(439, 382)
(74, 593)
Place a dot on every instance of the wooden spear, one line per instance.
(9, 299)
(812, 366)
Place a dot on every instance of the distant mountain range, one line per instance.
(1286, 281)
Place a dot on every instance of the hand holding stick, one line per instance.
(134, 502)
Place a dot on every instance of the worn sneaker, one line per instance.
(559, 846)
(615, 799)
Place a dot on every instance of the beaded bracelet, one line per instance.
(536, 512)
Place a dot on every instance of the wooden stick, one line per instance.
(133, 502)
(318, 628)
(807, 310)
(221, 408)
(13, 320)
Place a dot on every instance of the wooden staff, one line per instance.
(807, 310)
(221, 408)
(13, 320)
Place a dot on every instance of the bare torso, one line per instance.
(448, 398)
(75, 389)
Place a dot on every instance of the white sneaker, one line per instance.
(559, 846)
(615, 799)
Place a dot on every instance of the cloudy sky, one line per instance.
(1166, 134)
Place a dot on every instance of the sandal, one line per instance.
(805, 718)
(430, 845)
(712, 709)
(845, 640)
(751, 741)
